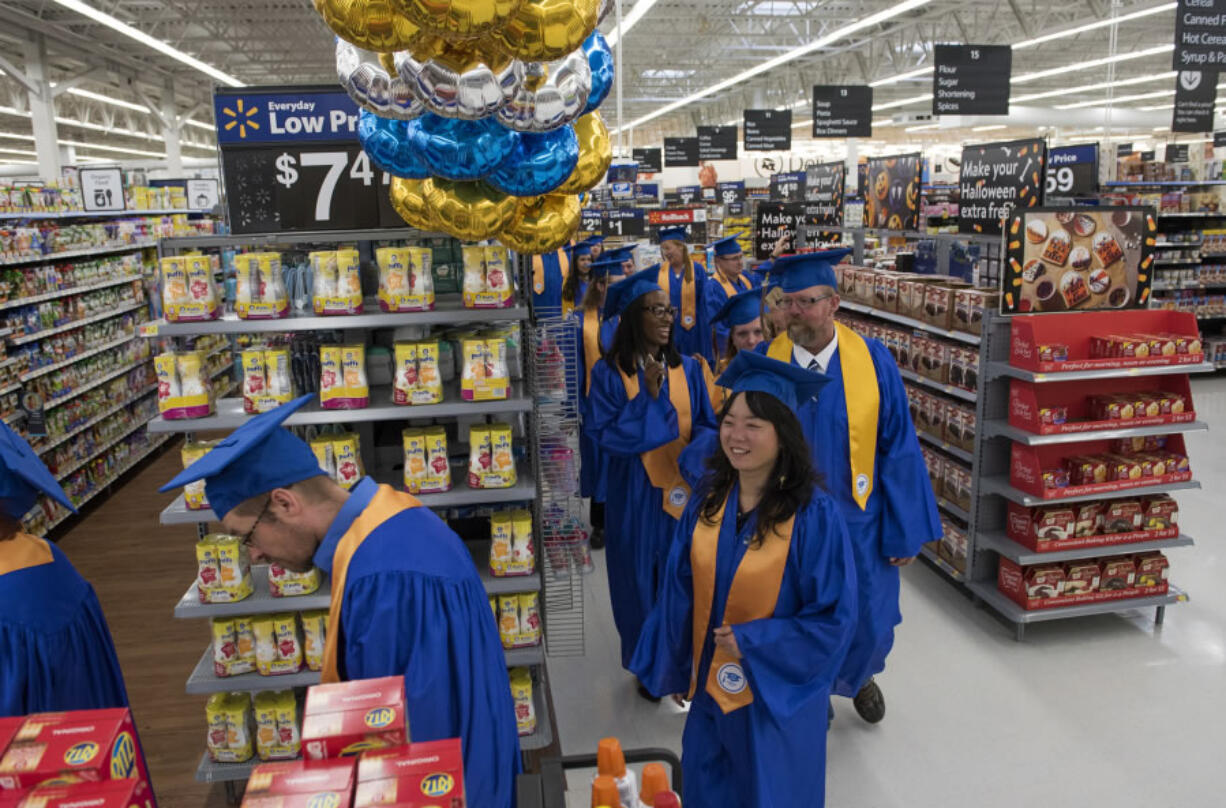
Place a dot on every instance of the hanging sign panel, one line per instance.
(624, 222)
(717, 142)
(768, 129)
(730, 193)
(971, 79)
(892, 192)
(824, 192)
(997, 177)
(649, 160)
(842, 111)
(680, 152)
(1195, 96)
(1072, 170)
(1200, 35)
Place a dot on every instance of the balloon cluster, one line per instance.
(483, 111)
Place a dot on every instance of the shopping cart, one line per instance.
(548, 789)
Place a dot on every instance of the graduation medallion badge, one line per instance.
(731, 678)
(678, 496)
(861, 484)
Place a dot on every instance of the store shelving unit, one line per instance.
(229, 415)
(85, 214)
(68, 255)
(1175, 254)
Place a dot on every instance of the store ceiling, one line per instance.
(679, 48)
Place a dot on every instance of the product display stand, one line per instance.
(521, 404)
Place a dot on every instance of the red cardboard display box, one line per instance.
(8, 729)
(420, 775)
(111, 794)
(1028, 464)
(1031, 334)
(1073, 407)
(301, 784)
(348, 718)
(1056, 528)
(1018, 583)
(89, 745)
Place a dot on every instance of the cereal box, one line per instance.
(521, 693)
(351, 717)
(283, 583)
(349, 471)
(422, 773)
(87, 745)
(414, 459)
(438, 467)
(301, 784)
(314, 637)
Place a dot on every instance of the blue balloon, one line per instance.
(540, 163)
(461, 150)
(386, 142)
(600, 59)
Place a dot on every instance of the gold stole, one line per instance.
(753, 595)
(689, 304)
(729, 287)
(591, 346)
(386, 503)
(22, 552)
(661, 462)
(714, 391)
(863, 404)
(538, 270)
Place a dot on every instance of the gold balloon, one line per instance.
(547, 30)
(542, 224)
(460, 56)
(373, 25)
(595, 155)
(471, 211)
(459, 19)
(409, 200)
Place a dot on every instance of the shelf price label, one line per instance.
(148, 329)
(624, 222)
(1072, 170)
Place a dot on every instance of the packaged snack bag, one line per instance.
(233, 570)
(404, 379)
(323, 270)
(280, 377)
(497, 275)
(421, 273)
(193, 493)
(207, 573)
(276, 739)
(169, 390)
(255, 380)
(283, 583)
(322, 447)
(229, 734)
(343, 383)
(480, 457)
(195, 393)
(278, 645)
(501, 471)
(401, 285)
(508, 620)
(338, 282)
(265, 723)
(174, 285)
(349, 470)
(314, 635)
(429, 386)
(244, 282)
(497, 372)
(289, 733)
(218, 734)
(244, 633)
(529, 619)
(501, 540)
(331, 376)
(188, 292)
(472, 373)
(414, 459)
(226, 658)
(521, 692)
(523, 554)
(349, 280)
(474, 274)
(438, 467)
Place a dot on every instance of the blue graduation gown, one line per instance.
(637, 528)
(55, 648)
(696, 340)
(713, 299)
(770, 753)
(593, 474)
(414, 605)
(549, 302)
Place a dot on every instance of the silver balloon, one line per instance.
(475, 91)
(370, 85)
(560, 95)
(605, 7)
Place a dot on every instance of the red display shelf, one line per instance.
(1075, 330)
(1027, 401)
(1020, 529)
(1027, 463)
(1010, 583)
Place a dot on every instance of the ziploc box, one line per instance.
(301, 784)
(89, 745)
(350, 717)
(423, 774)
(112, 794)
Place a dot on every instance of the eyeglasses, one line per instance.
(661, 312)
(802, 303)
(246, 541)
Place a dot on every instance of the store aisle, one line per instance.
(1105, 707)
(140, 570)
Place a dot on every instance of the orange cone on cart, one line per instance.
(604, 792)
(655, 781)
(609, 758)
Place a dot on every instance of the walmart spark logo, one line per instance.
(240, 117)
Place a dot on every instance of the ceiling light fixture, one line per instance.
(1090, 26)
(158, 45)
(629, 19)
(121, 150)
(910, 74)
(1102, 102)
(1102, 85)
(902, 102)
(1106, 60)
(990, 127)
(106, 99)
(923, 127)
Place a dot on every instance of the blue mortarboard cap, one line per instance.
(789, 383)
(605, 265)
(727, 245)
(578, 250)
(594, 240)
(623, 293)
(675, 233)
(23, 477)
(624, 253)
(741, 308)
(256, 458)
(804, 270)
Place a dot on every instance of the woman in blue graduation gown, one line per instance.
(55, 648)
(685, 281)
(647, 402)
(729, 280)
(757, 605)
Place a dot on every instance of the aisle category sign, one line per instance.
(768, 129)
(842, 111)
(1195, 97)
(650, 160)
(717, 142)
(996, 178)
(1072, 170)
(1200, 35)
(971, 79)
(680, 152)
(291, 161)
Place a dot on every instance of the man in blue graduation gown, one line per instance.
(55, 648)
(406, 597)
(728, 280)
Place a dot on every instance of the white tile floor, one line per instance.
(1102, 711)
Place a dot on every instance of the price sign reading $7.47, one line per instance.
(338, 167)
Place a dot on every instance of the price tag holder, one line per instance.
(148, 329)
(625, 222)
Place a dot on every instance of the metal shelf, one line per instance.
(941, 564)
(106, 377)
(953, 509)
(448, 310)
(44, 370)
(1161, 183)
(1000, 485)
(229, 411)
(1003, 429)
(1172, 262)
(59, 329)
(74, 290)
(947, 389)
(316, 237)
(960, 336)
(102, 486)
(525, 657)
(95, 453)
(543, 736)
(67, 254)
(1196, 214)
(989, 594)
(203, 680)
(260, 601)
(500, 586)
(948, 448)
(998, 369)
(1002, 544)
(211, 772)
(1177, 245)
(86, 214)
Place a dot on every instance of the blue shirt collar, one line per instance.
(359, 497)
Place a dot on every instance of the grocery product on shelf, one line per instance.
(487, 277)
(267, 378)
(342, 380)
(519, 620)
(337, 282)
(491, 457)
(223, 569)
(260, 288)
(511, 550)
(278, 644)
(485, 375)
(1093, 524)
(277, 734)
(230, 734)
(302, 783)
(188, 291)
(61, 312)
(193, 493)
(284, 583)
(184, 387)
(347, 716)
(1100, 340)
(1051, 586)
(402, 775)
(234, 646)
(427, 469)
(1072, 407)
(521, 694)
(406, 279)
(314, 637)
(417, 377)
